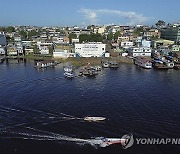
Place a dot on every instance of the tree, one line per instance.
(83, 38)
(72, 36)
(32, 33)
(10, 29)
(35, 49)
(91, 27)
(90, 38)
(3, 29)
(23, 34)
(139, 31)
(160, 23)
(116, 35)
(110, 36)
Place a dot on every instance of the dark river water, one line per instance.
(41, 111)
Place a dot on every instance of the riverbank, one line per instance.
(77, 62)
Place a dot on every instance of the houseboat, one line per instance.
(142, 62)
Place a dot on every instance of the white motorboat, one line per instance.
(110, 141)
(94, 119)
(68, 75)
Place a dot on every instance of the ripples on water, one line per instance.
(43, 110)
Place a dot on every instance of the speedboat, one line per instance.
(68, 75)
(110, 141)
(104, 142)
(94, 119)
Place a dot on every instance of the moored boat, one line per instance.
(105, 64)
(68, 75)
(68, 69)
(142, 62)
(159, 64)
(98, 68)
(45, 64)
(113, 65)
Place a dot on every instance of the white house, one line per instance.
(75, 40)
(126, 44)
(90, 49)
(58, 53)
(146, 43)
(44, 50)
(139, 51)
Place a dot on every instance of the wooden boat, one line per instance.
(113, 65)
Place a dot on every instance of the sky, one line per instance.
(87, 12)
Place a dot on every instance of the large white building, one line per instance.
(90, 49)
(139, 51)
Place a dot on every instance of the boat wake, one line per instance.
(40, 135)
(29, 125)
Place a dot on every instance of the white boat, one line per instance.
(169, 64)
(105, 65)
(143, 62)
(110, 141)
(104, 142)
(68, 75)
(68, 69)
(98, 68)
(94, 119)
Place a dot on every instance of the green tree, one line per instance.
(110, 36)
(35, 49)
(160, 23)
(10, 29)
(139, 31)
(2, 29)
(91, 27)
(72, 36)
(116, 35)
(23, 34)
(32, 33)
(51, 49)
(90, 38)
(83, 38)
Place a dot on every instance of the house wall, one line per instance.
(90, 49)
